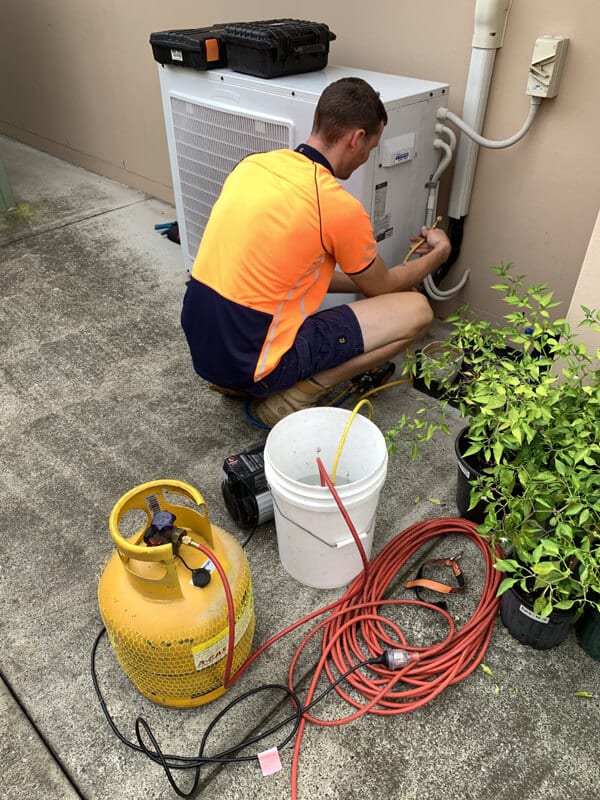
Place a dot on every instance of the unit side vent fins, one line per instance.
(209, 143)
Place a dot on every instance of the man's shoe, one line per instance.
(227, 392)
(304, 394)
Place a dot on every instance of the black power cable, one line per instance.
(249, 537)
(171, 762)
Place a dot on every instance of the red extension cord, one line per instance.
(355, 631)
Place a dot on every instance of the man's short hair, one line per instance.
(345, 105)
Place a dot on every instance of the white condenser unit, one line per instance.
(215, 118)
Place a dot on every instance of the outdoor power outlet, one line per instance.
(546, 66)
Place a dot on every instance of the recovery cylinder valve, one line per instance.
(179, 638)
(162, 522)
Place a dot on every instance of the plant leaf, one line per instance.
(583, 694)
(565, 604)
(506, 565)
(505, 585)
(546, 567)
(486, 669)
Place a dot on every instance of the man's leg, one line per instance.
(389, 323)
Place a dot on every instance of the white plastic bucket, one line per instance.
(315, 543)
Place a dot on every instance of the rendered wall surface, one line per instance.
(83, 86)
(587, 291)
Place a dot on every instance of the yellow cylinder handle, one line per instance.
(149, 497)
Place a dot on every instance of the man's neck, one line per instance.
(310, 151)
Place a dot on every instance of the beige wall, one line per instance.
(587, 292)
(79, 81)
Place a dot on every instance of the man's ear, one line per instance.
(357, 138)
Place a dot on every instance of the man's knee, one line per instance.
(415, 315)
(387, 318)
(424, 315)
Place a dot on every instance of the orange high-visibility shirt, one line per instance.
(275, 234)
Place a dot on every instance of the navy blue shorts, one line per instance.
(324, 340)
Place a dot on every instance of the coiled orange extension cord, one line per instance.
(356, 630)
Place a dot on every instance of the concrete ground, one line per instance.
(98, 395)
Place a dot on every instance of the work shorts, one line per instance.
(325, 340)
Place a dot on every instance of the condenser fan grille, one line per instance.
(209, 143)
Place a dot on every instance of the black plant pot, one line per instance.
(517, 615)
(467, 473)
(588, 632)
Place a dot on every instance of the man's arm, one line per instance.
(378, 279)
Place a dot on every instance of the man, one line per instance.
(267, 258)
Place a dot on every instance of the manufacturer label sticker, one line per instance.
(529, 613)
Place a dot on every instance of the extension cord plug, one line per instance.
(396, 658)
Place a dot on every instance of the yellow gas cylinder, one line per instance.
(167, 622)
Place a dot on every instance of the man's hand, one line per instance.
(434, 248)
(430, 239)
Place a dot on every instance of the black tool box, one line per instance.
(199, 48)
(275, 47)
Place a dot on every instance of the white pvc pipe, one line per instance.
(490, 21)
(489, 27)
(473, 113)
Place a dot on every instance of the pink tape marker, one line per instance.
(269, 761)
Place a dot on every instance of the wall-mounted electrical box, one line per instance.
(546, 67)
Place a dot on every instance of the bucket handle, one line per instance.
(333, 545)
(350, 539)
(195, 521)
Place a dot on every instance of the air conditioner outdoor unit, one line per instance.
(215, 118)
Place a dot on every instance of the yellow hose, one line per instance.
(385, 386)
(362, 402)
(418, 244)
(355, 411)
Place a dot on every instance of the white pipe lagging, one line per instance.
(434, 292)
(440, 144)
(445, 114)
(444, 130)
(434, 182)
(428, 283)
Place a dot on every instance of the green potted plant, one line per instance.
(530, 394)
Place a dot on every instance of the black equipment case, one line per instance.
(199, 48)
(276, 47)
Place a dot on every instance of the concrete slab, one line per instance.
(30, 769)
(98, 397)
(51, 193)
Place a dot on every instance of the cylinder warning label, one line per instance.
(214, 649)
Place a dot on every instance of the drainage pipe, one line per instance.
(491, 17)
